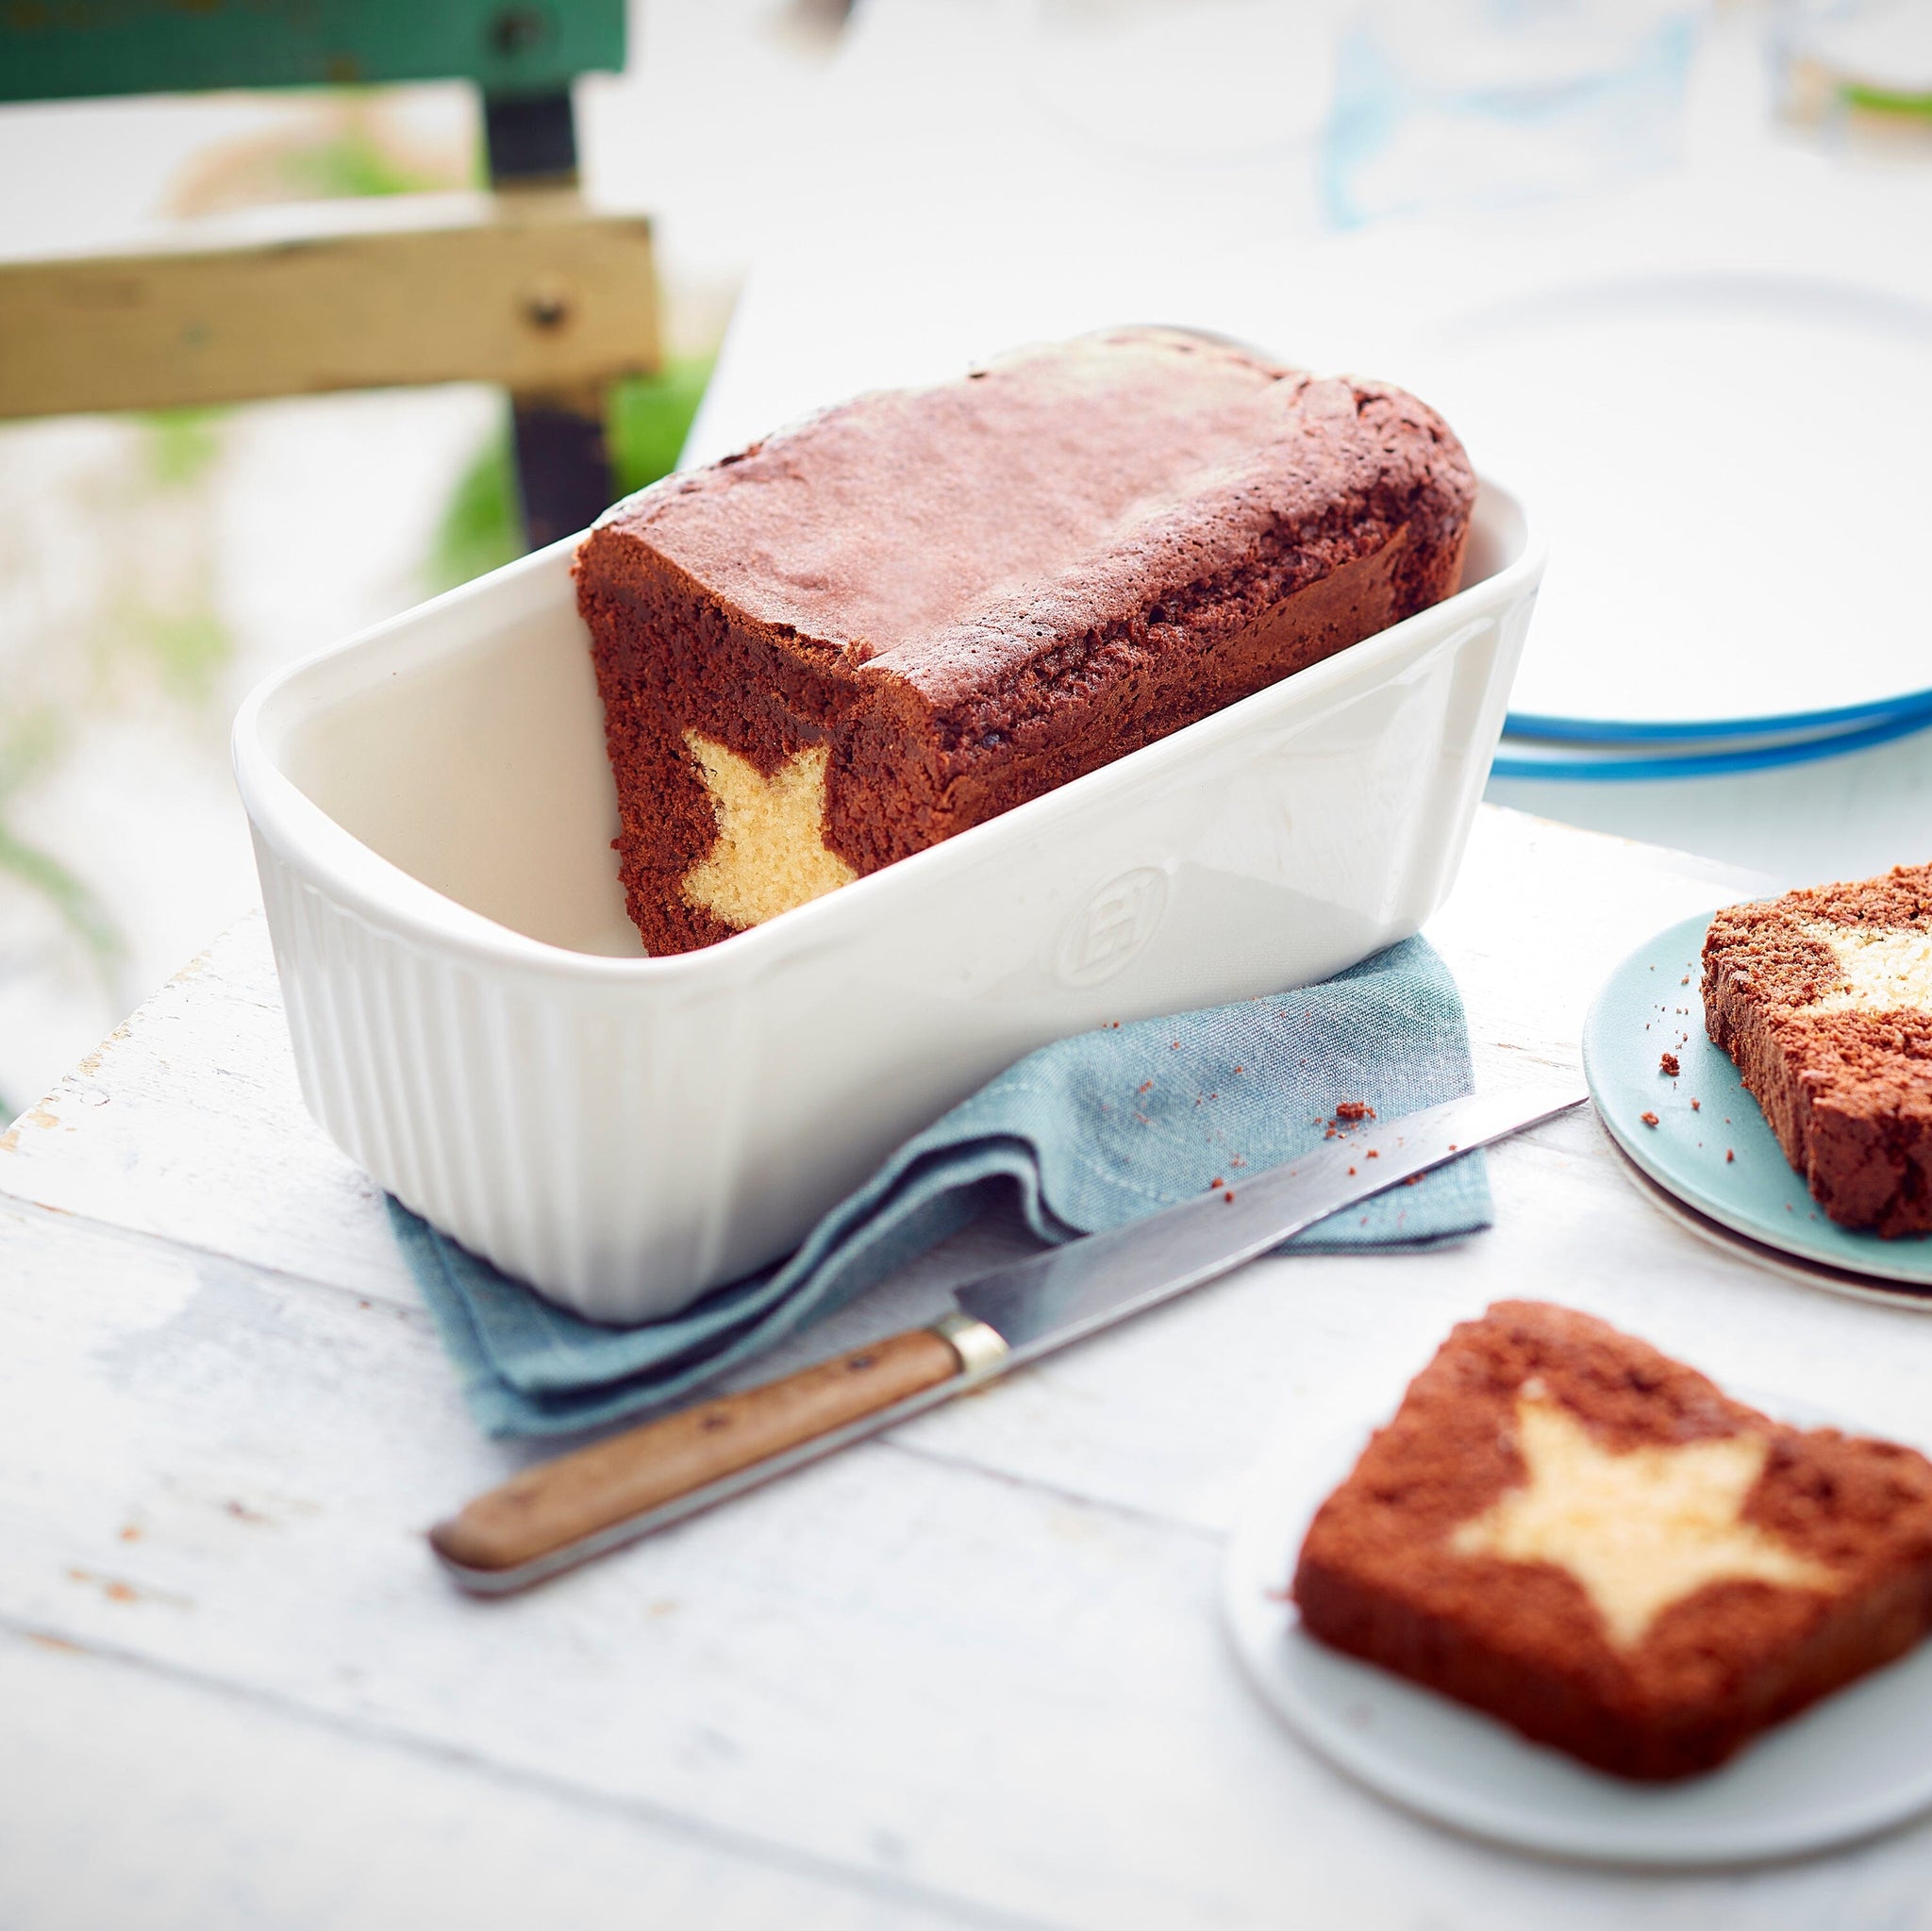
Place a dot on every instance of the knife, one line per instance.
(559, 1513)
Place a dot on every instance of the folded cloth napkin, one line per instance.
(1091, 1132)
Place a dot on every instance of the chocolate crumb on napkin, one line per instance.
(1090, 1132)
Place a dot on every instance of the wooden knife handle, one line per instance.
(557, 1503)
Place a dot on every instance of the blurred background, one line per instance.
(1524, 209)
(154, 566)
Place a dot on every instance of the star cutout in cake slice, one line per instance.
(769, 853)
(1639, 1530)
(1594, 1543)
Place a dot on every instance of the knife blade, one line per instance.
(559, 1513)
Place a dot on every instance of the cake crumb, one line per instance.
(1354, 1110)
(1697, 1106)
(1648, 1119)
(1667, 1064)
(1730, 1156)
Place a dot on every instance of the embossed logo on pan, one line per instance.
(1112, 928)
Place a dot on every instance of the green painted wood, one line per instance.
(65, 49)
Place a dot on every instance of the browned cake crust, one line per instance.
(971, 593)
(1382, 1576)
(1847, 1086)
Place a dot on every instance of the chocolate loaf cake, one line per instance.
(920, 609)
(1824, 998)
(1589, 1540)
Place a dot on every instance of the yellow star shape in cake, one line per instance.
(1883, 969)
(770, 854)
(1638, 1530)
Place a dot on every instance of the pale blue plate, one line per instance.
(1650, 1007)
(1847, 1768)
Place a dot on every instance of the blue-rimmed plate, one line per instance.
(1710, 1146)
(1792, 1267)
(1701, 379)
(1531, 756)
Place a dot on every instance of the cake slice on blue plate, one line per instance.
(1824, 998)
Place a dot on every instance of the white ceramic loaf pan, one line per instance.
(474, 1020)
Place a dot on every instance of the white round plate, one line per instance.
(1704, 386)
(1850, 1767)
(1671, 481)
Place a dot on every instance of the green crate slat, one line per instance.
(69, 49)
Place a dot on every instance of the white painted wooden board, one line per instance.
(153, 1802)
(187, 1121)
(968, 1673)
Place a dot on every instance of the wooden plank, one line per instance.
(563, 463)
(51, 52)
(928, 1660)
(980, 1655)
(187, 1124)
(563, 460)
(540, 295)
(154, 1801)
(188, 1128)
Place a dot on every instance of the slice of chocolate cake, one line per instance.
(920, 609)
(1824, 998)
(1591, 1541)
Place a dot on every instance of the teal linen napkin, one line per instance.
(1090, 1132)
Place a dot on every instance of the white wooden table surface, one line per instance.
(968, 1673)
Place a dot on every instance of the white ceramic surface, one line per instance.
(1704, 390)
(474, 1024)
(1851, 1766)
